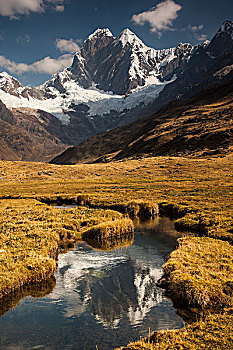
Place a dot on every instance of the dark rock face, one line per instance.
(5, 114)
(122, 64)
(182, 53)
(222, 42)
(202, 69)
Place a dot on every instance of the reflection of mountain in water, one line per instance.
(103, 299)
(129, 291)
(114, 286)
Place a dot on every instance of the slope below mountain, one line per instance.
(30, 135)
(202, 125)
(114, 81)
(110, 82)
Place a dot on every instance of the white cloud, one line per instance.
(21, 39)
(59, 8)
(195, 28)
(202, 37)
(12, 8)
(70, 45)
(15, 8)
(47, 65)
(159, 17)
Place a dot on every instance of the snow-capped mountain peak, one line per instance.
(9, 84)
(5, 75)
(112, 80)
(8, 81)
(227, 25)
(102, 75)
(100, 33)
(128, 37)
(227, 28)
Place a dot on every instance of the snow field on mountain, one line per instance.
(99, 102)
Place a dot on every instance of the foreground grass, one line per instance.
(213, 332)
(32, 234)
(196, 192)
(207, 285)
(199, 278)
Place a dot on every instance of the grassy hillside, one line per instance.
(29, 135)
(199, 126)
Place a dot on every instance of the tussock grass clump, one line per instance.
(32, 234)
(109, 233)
(213, 332)
(144, 209)
(200, 273)
(141, 208)
(191, 222)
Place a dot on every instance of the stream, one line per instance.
(102, 298)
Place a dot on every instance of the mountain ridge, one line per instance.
(149, 79)
(201, 125)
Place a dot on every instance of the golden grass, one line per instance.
(32, 234)
(213, 332)
(198, 192)
(205, 285)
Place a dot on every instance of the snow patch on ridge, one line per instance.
(105, 32)
(128, 37)
(227, 27)
(99, 102)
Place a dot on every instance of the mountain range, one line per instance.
(199, 126)
(113, 81)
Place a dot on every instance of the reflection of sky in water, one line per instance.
(103, 298)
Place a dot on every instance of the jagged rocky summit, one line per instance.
(116, 80)
(106, 65)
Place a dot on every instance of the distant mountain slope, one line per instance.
(109, 78)
(28, 136)
(124, 63)
(203, 69)
(114, 81)
(202, 125)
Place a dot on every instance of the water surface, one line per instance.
(101, 298)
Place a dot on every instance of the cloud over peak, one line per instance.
(159, 17)
(46, 65)
(70, 45)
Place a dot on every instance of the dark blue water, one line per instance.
(101, 298)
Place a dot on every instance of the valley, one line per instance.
(95, 94)
(116, 178)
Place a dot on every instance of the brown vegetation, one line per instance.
(196, 192)
(198, 126)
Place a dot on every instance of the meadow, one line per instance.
(196, 192)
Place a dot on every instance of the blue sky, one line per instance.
(38, 37)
